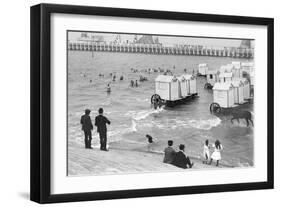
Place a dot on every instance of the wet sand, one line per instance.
(84, 162)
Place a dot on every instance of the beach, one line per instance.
(132, 117)
(83, 162)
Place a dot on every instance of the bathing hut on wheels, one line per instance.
(223, 96)
(202, 69)
(225, 77)
(247, 67)
(246, 88)
(238, 91)
(190, 82)
(226, 68)
(172, 90)
(236, 64)
(212, 78)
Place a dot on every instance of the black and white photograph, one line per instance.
(146, 103)
(140, 103)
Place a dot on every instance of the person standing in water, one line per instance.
(108, 89)
(87, 127)
(136, 84)
(217, 153)
(100, 123)
(206, 152)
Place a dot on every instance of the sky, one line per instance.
(165, 40)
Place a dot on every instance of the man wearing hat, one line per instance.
(87, 127)
(100, 122)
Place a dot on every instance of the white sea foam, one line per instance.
(142, 100)
(139, 115)
(205, 124)
(134, 126)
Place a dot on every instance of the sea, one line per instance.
(132, 116)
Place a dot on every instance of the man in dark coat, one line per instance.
(87, 127)
(101, 122)
(169, 153)
(181, 160)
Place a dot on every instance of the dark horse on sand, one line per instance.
(247, 115)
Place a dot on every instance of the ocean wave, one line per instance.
(142, 100)
(143, 114)
(204, 124)
(134, 126)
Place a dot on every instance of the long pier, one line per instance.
(192, 50)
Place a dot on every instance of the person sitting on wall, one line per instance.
(169, 153)
(181, 160)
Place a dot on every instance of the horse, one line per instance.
(247, 115)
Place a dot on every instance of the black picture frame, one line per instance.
(41, 102)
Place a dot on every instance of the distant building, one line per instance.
(147, 39)
(94, 38)
(246, 44)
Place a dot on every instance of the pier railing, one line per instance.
(195, 50)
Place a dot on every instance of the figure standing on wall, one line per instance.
(87, 127)
(100, 122)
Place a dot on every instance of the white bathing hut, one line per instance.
(223, 94)
(246, 88)
(202, 69)
(225, 77)
(238, 91)
(236, 64)
(237, 71)
(184, 90)
(167, 87)
(252, 78)
(247, 66)
(191, 84)
(226, 68)
(212, 77)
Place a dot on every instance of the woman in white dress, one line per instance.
(206, 152)
(217, 153)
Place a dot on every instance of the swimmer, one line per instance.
(108, 89)
(151, 143)
(149, 138)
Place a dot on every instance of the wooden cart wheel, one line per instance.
(155, 99)
(208, 86)
(215, 108)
